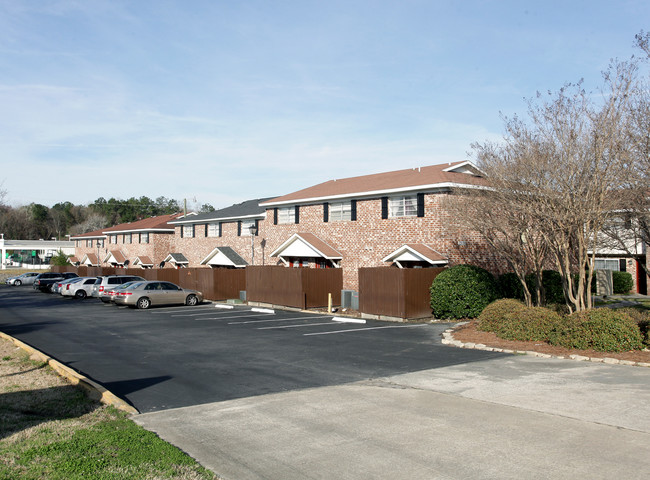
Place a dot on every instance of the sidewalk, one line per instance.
(516, 417)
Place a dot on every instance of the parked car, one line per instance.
(109, 281)
(44, 281)
(154, 292)
(22, 279)
(108, 295)
(57, 286)
(81, 289)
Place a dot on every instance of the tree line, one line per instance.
(568, 179)
(36, 221)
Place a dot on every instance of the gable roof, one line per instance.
(177, 258)
(433, 177)
(89, 235)
(151, 224)
(115, 256)
(418, 252)
(244, 210)
(143, 260)
(314, 247)
(225, 256)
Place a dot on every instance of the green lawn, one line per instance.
(51, 430)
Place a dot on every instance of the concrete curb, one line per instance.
(448, 339)
(95, 390)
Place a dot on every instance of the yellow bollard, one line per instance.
(329, 303)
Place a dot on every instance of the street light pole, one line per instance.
(253, 231)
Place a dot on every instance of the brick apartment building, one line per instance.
(372, 220)
(145, 243)
(387, 219)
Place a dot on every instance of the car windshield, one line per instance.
(133, 285)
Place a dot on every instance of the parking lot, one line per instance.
(179, 356)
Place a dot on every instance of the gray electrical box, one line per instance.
(350, 299)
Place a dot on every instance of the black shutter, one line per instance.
(206, 231)
(326, 212)
(384, 207)
(353, 210)
(297, 214)
(220, 229)
(622, 265)
(275, 216)
(420, 204)
(193, 231)
(182, 228)
(239, 228)
(257, 228)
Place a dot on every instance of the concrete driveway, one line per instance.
(515, 417)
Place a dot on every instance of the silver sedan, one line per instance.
(154, 292)
(23, 279)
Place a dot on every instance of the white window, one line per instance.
(245, 227)
(127, 238)
(100, 242)
(144, 238)
(607, 264)
(113, 238)
(188, 231)
(406, 206)
(213, 230)
(286, 215)
(340, 212)
(89, 243)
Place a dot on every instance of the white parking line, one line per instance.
(364, 329)
(275, 320)
(228, 317)
(295, 326)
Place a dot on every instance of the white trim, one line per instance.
(257, 216)
(405, 248)
(374, 193)
(453, 168)
(140, 230)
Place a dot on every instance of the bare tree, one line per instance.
(558, 171)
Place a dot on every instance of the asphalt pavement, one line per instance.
(255, 395)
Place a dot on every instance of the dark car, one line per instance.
(45, 280)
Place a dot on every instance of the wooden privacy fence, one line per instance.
(396, 292)
(294, 287)
(216, 284)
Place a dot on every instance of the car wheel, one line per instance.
(18, 283)
(191, 300)
(143, 303)
(80, 294)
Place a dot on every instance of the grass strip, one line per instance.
(49, 429)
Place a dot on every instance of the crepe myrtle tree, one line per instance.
(557, 168)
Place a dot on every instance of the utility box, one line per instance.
(242, 295)
(604, 282)
(350, 299)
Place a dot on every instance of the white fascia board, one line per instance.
(374, 193)
(257, 216)
(88, 238)
(142, 230)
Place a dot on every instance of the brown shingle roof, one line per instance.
(433, 176)
(151, 223)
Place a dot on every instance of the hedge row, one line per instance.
(600, 329)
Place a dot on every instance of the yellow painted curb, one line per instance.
(95, 390)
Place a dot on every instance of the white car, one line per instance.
(58, 285)
(80, 289)
(23, 279)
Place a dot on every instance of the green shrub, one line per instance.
(462, 291)
(493, 315)
(510, 286)
(642, 319)
(623, 282)
(529, 324)
(600, 329)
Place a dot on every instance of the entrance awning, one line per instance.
(116, 258)
(90, 259)
(177, 259)
(224, 257)
(143, 261)
(307, 245)
(417, 253)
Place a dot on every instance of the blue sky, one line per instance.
(224, 101)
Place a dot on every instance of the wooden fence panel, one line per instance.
(318, 283)
(275, 285)
(396, 292)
